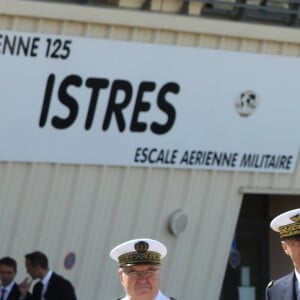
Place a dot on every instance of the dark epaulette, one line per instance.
(270, 284)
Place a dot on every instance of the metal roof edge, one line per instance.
(153, 20)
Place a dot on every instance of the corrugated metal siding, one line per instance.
(89, 209)
(62, 208)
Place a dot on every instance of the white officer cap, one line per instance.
(287, 224)
(139, 251)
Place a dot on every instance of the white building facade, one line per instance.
(119, 123)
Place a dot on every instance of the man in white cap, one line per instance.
(288, 226)
(139, 268)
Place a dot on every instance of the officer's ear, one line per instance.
(120, 273)
(285, 247)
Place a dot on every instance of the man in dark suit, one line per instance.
(9, 289)
(288, 226)
(51, 286)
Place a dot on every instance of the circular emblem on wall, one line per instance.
(70, 260)
(246, 103)
(234, 258)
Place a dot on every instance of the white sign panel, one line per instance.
(90, 101)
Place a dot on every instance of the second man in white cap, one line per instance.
(288, 226)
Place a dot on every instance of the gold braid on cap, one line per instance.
(140, 256)
(290, 230)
